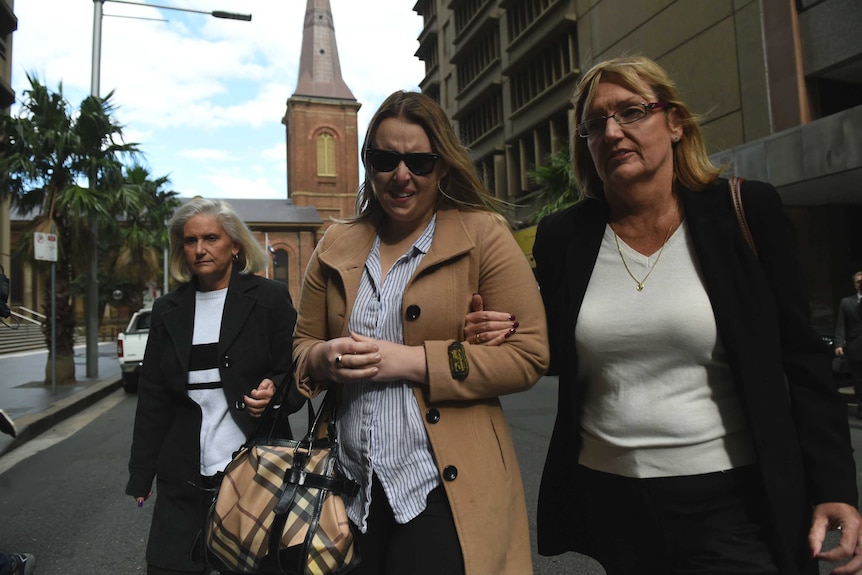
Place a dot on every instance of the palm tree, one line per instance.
(556, 187)
(44, 153)
(141, 234)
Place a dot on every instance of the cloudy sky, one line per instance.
(204, 97)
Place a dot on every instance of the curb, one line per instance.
(34, 424)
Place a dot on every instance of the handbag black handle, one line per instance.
(277, 399)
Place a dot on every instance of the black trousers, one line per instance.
(208, 486)
(710, 524)
(426, 545)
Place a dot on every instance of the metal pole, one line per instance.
(165, 272)
(91, 301)
(53, 322)
(97, 47)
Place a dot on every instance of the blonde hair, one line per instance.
(692, 167)
(461, 187)
(251, 256)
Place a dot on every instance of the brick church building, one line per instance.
(322, 156)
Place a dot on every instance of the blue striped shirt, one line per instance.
(379, 423)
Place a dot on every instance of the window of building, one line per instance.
(326, 155)
(465, 11)
(833, 96)
(485, 52)
(557, 61)
(483, 118)
(428, 53)
(280, 270)
(523, 13)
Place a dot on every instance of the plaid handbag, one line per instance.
(279, 507)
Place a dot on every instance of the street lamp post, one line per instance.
(91, 301)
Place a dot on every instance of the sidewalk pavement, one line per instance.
(34, 406)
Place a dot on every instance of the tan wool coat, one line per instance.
(472, 252)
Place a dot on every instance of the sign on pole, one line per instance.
(45, 246)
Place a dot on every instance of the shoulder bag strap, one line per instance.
(273, 419)
(736, 197)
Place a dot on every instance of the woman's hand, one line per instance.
(487, 327)
(344, 359)
(258, 400)
(348, 359)
(846, 519)
(140, 500)
(395, 361)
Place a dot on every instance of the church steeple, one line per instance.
(320, 124)
(319, 67)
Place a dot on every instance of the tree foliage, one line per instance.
(555, 184)
(138, 235)
(64, 166)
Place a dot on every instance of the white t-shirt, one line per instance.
(660, 398)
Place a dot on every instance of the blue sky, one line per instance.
(204, 97)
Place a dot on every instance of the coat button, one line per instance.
(450, 472)
(413, 312)
(226, 362)
(240, 405)
(432, 415)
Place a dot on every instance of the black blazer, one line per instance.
(255, 342)
(848, 331)
(799, 425)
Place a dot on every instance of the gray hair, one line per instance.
(251, 257)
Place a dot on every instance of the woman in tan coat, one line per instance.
(382, 314)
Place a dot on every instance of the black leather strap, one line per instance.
(336, 484)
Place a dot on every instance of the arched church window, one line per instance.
(325, 155)
(279, 264)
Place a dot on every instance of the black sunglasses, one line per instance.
(420, 163)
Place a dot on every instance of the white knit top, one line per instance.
(660, 400)
(220, 435)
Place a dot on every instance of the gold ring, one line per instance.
(477, 339)
(338, 361)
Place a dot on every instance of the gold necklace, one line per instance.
(640, 283)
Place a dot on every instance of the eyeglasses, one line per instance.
(420, 163)
(596, 126)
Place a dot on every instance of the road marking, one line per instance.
(60, 432)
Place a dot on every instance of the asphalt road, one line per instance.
(61, 494)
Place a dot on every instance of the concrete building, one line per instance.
(8, 24)
(778, 83)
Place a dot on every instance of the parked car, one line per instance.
(131, 344)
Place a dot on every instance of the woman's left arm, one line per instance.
(819, 414)
(461, 370)
(280, 323)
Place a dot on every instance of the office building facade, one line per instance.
(778, 84)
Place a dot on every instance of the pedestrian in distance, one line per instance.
(848, 337)
(697, 430)
(219, 346)
(381, 324)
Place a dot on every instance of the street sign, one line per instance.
(45, 246)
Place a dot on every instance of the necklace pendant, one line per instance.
(640, 286)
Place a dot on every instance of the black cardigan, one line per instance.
(799, 424)
(255, 342)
